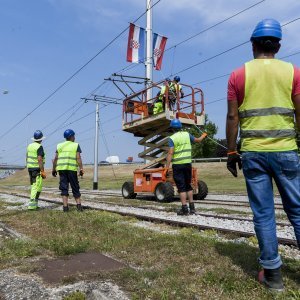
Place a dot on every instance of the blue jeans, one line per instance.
(259, 168)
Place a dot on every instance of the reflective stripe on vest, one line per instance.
(182, 148)
(32, 156)
(67, 152)
(267, 112)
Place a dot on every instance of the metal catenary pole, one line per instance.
(149, 52)
(95, 180)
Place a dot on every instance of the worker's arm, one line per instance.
(79, 161)
(169, 157)
(54, 162)
(41, 163)
(181, 93)
(201, 138)
(296, 100)
(232, 125)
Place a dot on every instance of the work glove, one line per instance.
(43, 174)
(233, 158)
(81, 173)
(204, 135)
(54, 173)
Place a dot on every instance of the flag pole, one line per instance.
(149, 46)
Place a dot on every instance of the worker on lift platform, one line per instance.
(180, 153)
(173, 89)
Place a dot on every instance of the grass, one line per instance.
(182, 266)
(216, 176)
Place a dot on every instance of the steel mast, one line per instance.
(149, 46)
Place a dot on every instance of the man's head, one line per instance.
(266, 36)
(177, 79)
(176, 125)
(38, 136)
(69, 135)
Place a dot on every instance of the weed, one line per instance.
(75, 296)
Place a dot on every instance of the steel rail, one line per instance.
(176, 223)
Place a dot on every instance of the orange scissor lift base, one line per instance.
(154, 130)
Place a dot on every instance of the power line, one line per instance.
(74, 74)
(225, 51)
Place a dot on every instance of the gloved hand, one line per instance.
(233, 159)
(81, 173)
(54, 173)
(204, 135)
(43, 174)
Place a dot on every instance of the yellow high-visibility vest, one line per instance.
(67, 152)
(182, 148)
(267, 113)
(32, 156)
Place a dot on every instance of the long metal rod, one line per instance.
(95, 181)
(149, 46)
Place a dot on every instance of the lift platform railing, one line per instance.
(138, 107)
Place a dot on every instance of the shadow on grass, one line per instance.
(246, 258)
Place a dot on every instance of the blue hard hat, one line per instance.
(68, 133)
(38, 136)
(267, 28)
(168, 79)
(177, 78)
(175, 123)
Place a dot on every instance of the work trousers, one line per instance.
(259, 169)
(36, 182)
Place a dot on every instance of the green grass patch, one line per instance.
(75, 296)
(182, 266)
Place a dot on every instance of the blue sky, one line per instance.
(44, 42)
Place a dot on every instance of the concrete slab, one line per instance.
(54, 271)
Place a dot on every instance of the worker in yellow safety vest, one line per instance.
(264, 102)
(175, 92)
(66, 162)
(180, 154)
(159, 105)
(35, 160)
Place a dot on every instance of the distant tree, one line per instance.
(221, 149)
(208, 147)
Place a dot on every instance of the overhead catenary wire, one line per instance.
(74, 74)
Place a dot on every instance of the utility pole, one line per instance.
(95, 180)
(149, 46)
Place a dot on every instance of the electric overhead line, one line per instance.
(225, 51)
(74, 74)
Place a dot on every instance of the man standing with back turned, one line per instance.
(264, 101)
(66, 162)
(180, 154)
(35, 159)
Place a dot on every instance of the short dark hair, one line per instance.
(267, 44)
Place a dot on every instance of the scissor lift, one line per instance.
(154, 131)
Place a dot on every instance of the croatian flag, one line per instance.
(136, 44)
(159, 43)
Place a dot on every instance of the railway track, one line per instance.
(202, 221)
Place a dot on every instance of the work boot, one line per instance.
(79, 207)
(65, 208)
(272, 279)
(32, 204)
(192, 208)
(184, 211)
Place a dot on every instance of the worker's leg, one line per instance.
(178, 176)
(286, 169)
(73, 178)
(258, 176)
(64, 188)
(33, 181)
(158, 108)
(39, 184)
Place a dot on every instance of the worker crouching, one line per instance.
(66, 162)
